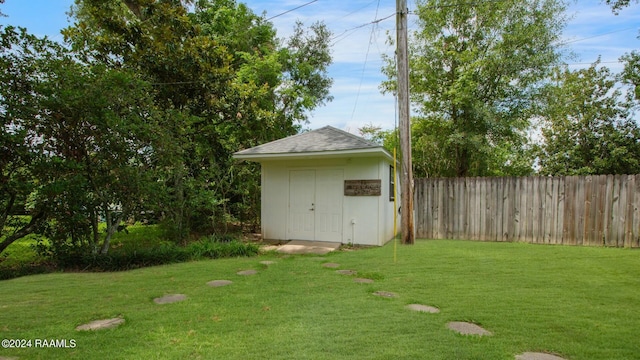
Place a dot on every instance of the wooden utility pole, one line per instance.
(406, 181)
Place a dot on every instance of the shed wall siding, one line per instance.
(372, 214)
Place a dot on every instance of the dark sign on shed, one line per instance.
(363, 187)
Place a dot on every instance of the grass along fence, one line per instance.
(573, 210)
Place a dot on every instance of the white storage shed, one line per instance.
(325, 185)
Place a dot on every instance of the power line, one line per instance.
(361, 26)
(595, 36)
(601, 62)
(357, 10)
(441, 6)
(294, 9)
(364, 66)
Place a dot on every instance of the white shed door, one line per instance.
(301, 204)
(315, 204)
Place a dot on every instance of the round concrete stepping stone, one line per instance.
(101, 324)
(537, 356)
(331, 265)
(467, 328)
(387, 294)
(219, 283)
(267, 262)
(168, 299)
(346, 272)
(363, 281)
(247, 272)
(423, 308)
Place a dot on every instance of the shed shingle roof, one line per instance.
(324, 139)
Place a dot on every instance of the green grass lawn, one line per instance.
(578, 302)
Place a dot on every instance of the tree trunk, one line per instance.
(94, 229)
(7, 211)
(36, 220)
(112, 226)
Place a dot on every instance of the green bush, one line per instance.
(213, 247)
(137, 250)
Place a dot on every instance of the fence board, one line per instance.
(612, 240)
(621, 211)
(572, 210)
(559, 233)
(635, 229)
(568, 228)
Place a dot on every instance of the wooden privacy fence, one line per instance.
(594, 210)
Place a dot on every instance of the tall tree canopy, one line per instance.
(588, 127)
(74, 142)
(475, 69)
(142, 110)
(222, 81)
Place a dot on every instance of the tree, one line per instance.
(22, 167)
(631, 72)
(617, 5)
(588, 128)
(223, 82)
(76, 141)
(475, 70)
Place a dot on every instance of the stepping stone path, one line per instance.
(346, 272)
(331, 265)
(537, 356)
(387, 294)
(247, 272)
(466, 328)
(219, 283)
(423, 308)
(101, 324)
(168, 299)
(363, 281)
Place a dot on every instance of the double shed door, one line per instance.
(315, 204)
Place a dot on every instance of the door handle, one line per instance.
(313, 207)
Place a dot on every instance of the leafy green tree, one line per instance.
(24, 169)
(76, 142)
(588, 127)
(223, 82)
(475, 69)
(617, 5)
(631, 72)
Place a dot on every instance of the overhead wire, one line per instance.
(364, 66)
(376, 21)
(294, 9)
(596, 36)
(345, 34)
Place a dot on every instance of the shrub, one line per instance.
(213, 247)
(24, 270)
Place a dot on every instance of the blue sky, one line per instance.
(593, 31)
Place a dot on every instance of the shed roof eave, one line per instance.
(316, 155)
